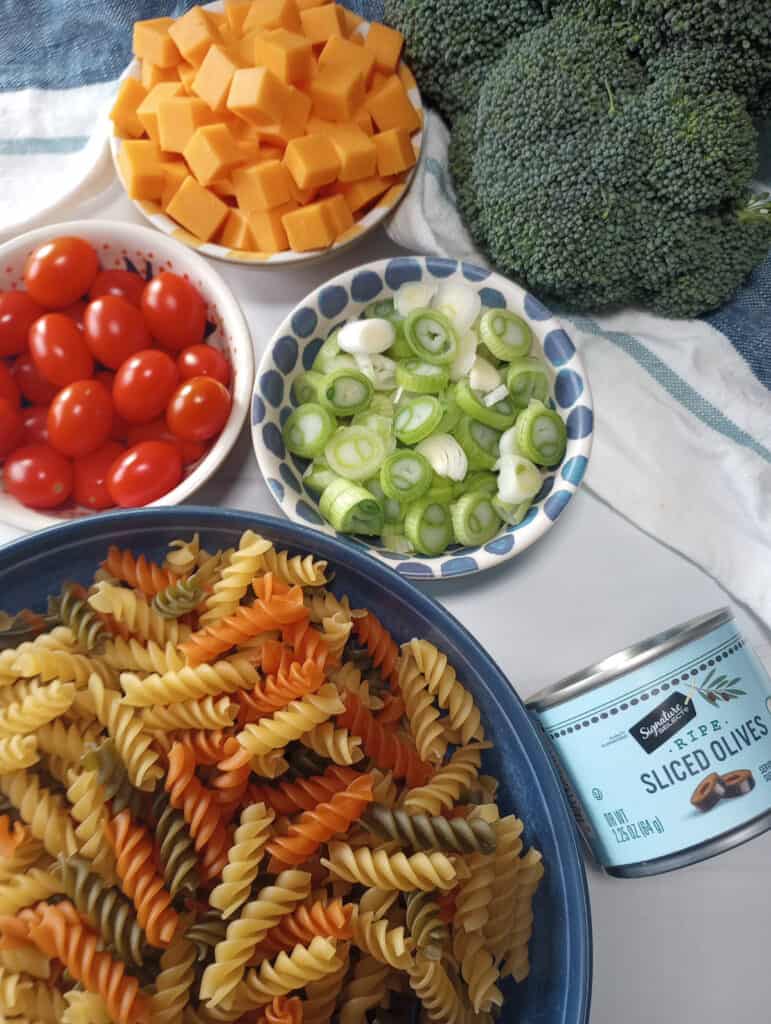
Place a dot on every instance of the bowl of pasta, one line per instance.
(245, 766)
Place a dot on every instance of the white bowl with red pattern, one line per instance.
(147, 252)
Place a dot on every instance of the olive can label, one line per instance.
(671, 754)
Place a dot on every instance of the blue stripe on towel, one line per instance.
(746, 322)
(35, 146)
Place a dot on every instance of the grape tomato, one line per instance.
(80, 418)
(35, 419)
(38, 476)
(18, 311)
(58, 350)
(198, 409)
(9, 387)
(114, 330)
(143, 385)
(36, 389)
(174, 311)
(60, 271)
(157, 430)
(144, 473)
(11, 427)
(203, 361)
(90, 475)
(123, 283)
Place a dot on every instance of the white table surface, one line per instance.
(689, 946)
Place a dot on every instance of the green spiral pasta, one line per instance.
(431, 934)
(421, 832)
(207, 932)
(107, 763)
(304, 762)
(175, 847)
(179, 598)
(174, 982)
(73, 611)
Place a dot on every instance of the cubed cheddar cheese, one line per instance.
(390, 107)
(378, 81)
(312, 161)
(174, 173)
(355, 150)
(303, 5)
(194, 33)
(187, 73)
(310, 227)
(147, 111)
(236, 232)
(236, 11)
(123, 115)
(352, 21)
(197, 209)
(243, 49)
(224, 187)
(294, 120)
(385, 44)
(361, 117)
(262, 186)
(257, 95)
(178, 119)
(152, 42)
(212, 152)
(139, 162)
(394, 152)
(359, 193)
(343, 53)
(267, 14)
(214, 76)
(286, 54)
(337, 91)
(268, 228)
(340, 214)
(321, 23)
(152, 75)
(303, 196)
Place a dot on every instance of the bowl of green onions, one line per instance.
(426, 409)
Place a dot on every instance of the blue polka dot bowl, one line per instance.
(298, 339)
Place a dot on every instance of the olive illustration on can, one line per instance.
(738, 783)
(709, 792)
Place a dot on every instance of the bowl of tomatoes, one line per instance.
(126, 371)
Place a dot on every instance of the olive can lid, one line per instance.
(633, 657)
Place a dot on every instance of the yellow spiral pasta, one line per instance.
(529, 876)
(244, 857)
(133, 656)
(190, 714)
(24, 890)
(384, 789)
(235, 578)
(290, 971)
(508, 832)
(336, 744)
(270, 765)
(89, 809)
(133, 609)
(377, 902)
(18, 752)
(348, 679)
(447, 784)
(322, 603)
(28, 853)
(422, 713)
(321, 996)
(381, 870)
(430, 983)
(388, 945)
(45, 704)
(68, 741)
(44, 812)
(26, 960)
(174, 982)
(472, 904)
(182, 556)
(23, 997)
(84, 1008)
(297, 570)
(66, 666)
(337, 630)
(478, 970)
(462, 713)
(189, 683)
(128, 732)
(366, 989)
(291, 722)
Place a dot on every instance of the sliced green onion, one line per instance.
(483, 375)
(422, 378)
(474, 520)
(466, 355)
(394, 540)
(541, 434)
(308, 430)
(527, 378)
(401, 348)
(452, 412)
(445, 455)
(382, 405)
(326, 355)
(382, 426)
(305, 387)
(413, 295)
(416, 418)
(428, 526)
(405, 475)
(354, 453)
(499, 416)
(351, 509)
(484, 353)
(518, 479)
(507, 335)
(511, 514)
(459, 303)
(508, 442)
(318, 476)
(479, 442)
(345, 392)
(481, 480)
(381, 309)
(431, 336)
(500, 394)
(442, 490)
(392, 508)
(378, 369)
(369, 337)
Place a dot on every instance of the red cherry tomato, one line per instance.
(143, 385)
(11, 427)
(156, 430)
(203, 361)
(90, 476)
(144, 473)
(17, 314)
(60, 271)
(38, 476)
(127, 285)
(120, 428)
(76, 311)
(36, 389)
(9, 387)
(35, 424)
(114, 330)
(80, 418)
(174, 311)
(59, 351)
(198, 409)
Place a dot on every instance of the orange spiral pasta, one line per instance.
(307, 642)
(317, 826)
(199, 807)
(276, 605)
(279, 690)
(11, 835)
(273, 654)
(137, 572)
(329, 920)
(59, 931)
(382, 647)
(135, 862)
(229, 784)
(208, 746)
(303, 794)
(282, 1010)
(392, 711)
(14, 930)
(383, 746)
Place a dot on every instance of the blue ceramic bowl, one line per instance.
(558, 989)
(298, 339)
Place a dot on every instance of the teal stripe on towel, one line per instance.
(38, 146)
(678, 388)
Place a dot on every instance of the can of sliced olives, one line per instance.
(665, 747)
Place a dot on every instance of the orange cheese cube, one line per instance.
(194, 33)
(361, 117)
(303, 5)
(236, 11)
(174, 173)
(178, 119)
(294, 120)
(344, 53)
(123, 115)
(152, 42)
(211, 152)
(139, 162)
(224, 187)
(336, 92)
(310, 227)
(152, 74)
(286, 54)
(340, 214)
(257, 95)
(355, 150)
(312, 161)
(352, 21)
(378, 81)
(321, 23)
(214, 76)
(236, 232)
(262, 186)
(197, 209)
(303, 196)
(147, 111)
(394, 152)
(318, 126)
(187, 73)
(359, 193)
(385, 44)
(268, 229)
(243, 48)
(390, 107)
(268, 14)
